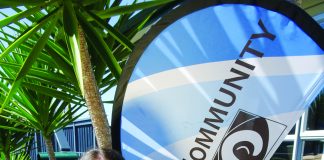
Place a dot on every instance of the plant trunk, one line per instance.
(92, 97)
(5, 138)
(7, 155)
(49, 147)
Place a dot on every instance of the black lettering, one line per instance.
(265, 33)
(250, 50)
(217, 119)
(244, 64)
(200, 150)
(241, 76)
(206, 138)
(226, 104)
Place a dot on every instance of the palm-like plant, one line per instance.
(47, 114)
(21, 156)
(34, 106)
(37, 111)
(13, 138)
(64, 34)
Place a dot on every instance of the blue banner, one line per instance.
(223, 81)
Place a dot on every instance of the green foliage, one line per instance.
(314, 7)
(14, 137)
(40, 77)
(20, 156)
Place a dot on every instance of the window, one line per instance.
(284, 152)
(306, 140)
(315, 118)
(313, 149)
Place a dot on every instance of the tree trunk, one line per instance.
(5, 138)
(92, 97)
(49, 147)
(7, 155)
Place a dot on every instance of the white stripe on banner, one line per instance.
(131, 128)
(271, 66)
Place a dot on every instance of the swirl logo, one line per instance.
(247, 138)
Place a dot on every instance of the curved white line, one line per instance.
(270, 66)
(245, 148)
